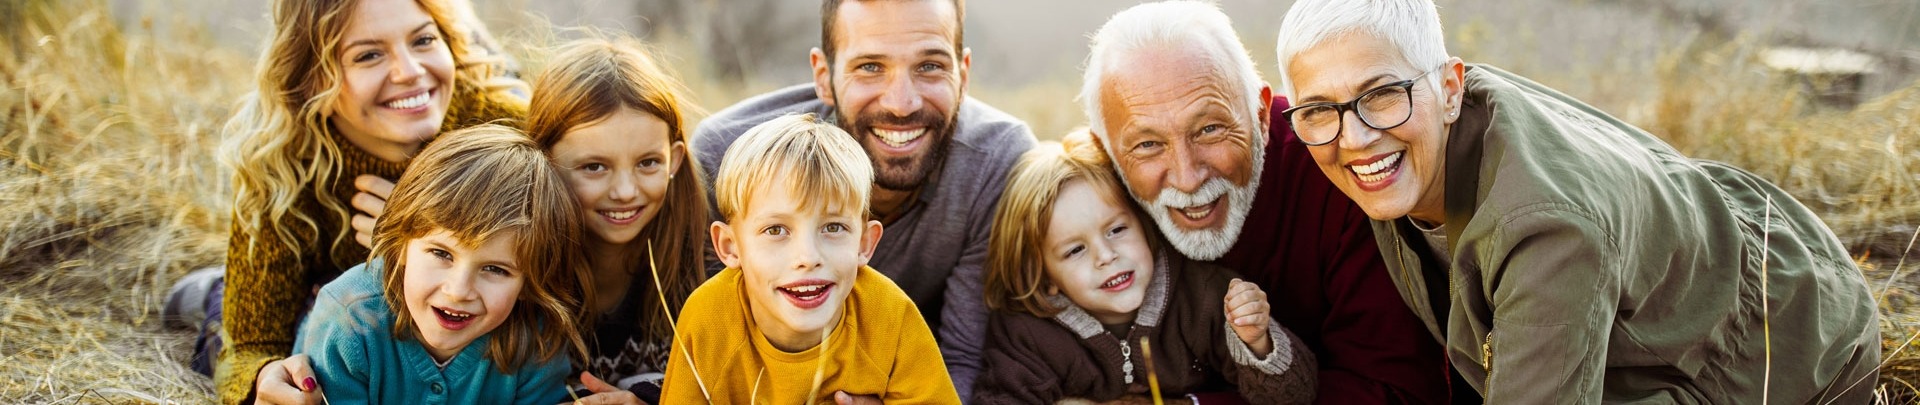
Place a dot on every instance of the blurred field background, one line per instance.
(112, 108)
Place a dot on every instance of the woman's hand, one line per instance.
(604, 393)
(371, 201)
(287, 381)
(1248, 312)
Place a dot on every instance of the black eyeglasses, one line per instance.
(1382, 108)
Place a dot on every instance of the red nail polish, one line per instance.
(309, 384)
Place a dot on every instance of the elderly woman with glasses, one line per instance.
(1560, 254)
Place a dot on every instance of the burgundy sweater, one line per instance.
(1311, 249)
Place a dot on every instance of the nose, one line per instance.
(900, 98)
(1188, 173)
(626, 186)
(809, 252)
(459, 285)
(406, 68)
(1104, 254)
(1354, 133)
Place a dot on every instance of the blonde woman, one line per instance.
(612, 119)
(348, 91)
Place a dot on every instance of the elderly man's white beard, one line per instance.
(1205, 244)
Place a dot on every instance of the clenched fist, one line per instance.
(1249, 314)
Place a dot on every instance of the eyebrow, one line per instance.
(923, 53)
(377, 42)
(1361, 88)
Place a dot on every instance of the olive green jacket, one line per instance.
(1591, 263)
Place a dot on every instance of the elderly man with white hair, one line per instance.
(1561, 255)
(1175, 101)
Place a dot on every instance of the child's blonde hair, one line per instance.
(482, 182)
(588, 81)
(1016, 274)
(812, 159)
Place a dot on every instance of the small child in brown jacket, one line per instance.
(1077, 281)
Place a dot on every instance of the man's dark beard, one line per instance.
(903, 173)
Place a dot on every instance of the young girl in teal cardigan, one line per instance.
(473, 292)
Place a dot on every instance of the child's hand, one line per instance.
(604, 393)
(843, 398)
(1247, 311)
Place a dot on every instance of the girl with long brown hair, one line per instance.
(612, 118)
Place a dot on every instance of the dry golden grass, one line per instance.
(109, 190)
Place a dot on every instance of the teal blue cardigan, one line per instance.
(349, 336)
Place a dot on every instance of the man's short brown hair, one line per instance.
(830, 14)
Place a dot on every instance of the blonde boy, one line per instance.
(797, 316)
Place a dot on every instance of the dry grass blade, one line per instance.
(1153, 377)
(659, 291)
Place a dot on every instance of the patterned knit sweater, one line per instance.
(269, 286)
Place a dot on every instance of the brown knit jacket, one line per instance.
(1032, 360)
(269, 286)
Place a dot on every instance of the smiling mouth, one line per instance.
(1198, 212)
(899, 138)
(1379, 170)
(807, 294)
(1118, 282)
(453, 319)
(411, 102)
(621, 217)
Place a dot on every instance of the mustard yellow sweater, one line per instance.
(881, 347)
(268, 285)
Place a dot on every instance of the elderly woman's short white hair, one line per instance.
(1176, 24)
(1413, 26)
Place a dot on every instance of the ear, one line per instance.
(1266, 114)
(676, 156)
(966, 66)
(1454, 82)
(724, 243)
(822, 75)
(869, 240)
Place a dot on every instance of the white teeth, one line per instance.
(411, 102)
(1198, 212)
(1117, 280)
(452, 315)
(1377, 170)
(621, 215)
(899, 138)
(806, 289)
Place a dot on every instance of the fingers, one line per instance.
(376, 185)
(301, 370)
(595, 384)
(610, 398)
(363, 230)
(368, 203)
(287, 381)
(1246, 304)
(843, 398)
